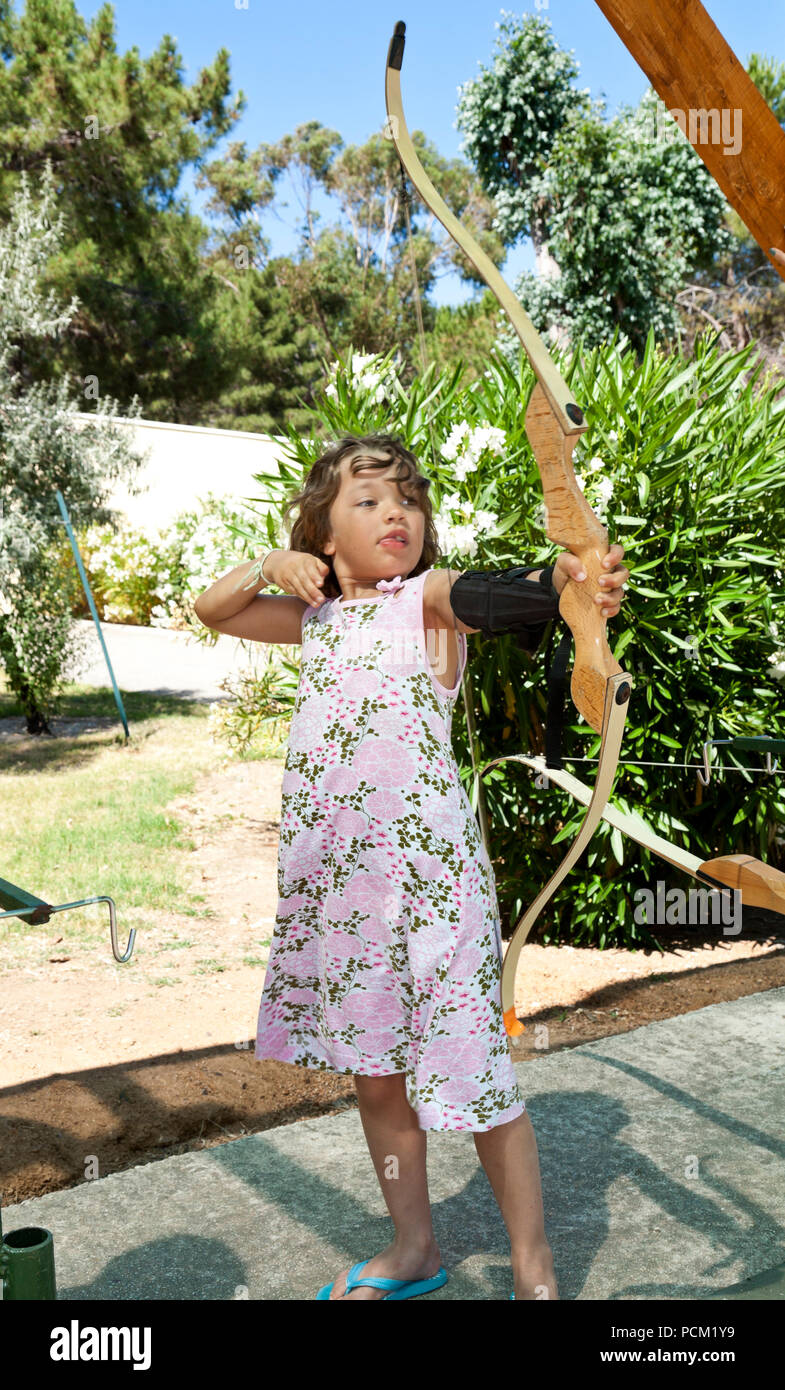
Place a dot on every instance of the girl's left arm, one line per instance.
(436, 601)
(436, 590)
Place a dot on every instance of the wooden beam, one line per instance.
(695, 72)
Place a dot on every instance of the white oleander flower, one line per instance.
(467, 446)
(456, 539)
(486, 521)
(777, 660)
(459, 533)
(450, 447)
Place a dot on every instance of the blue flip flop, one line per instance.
(400, 1288)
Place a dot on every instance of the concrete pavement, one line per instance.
(661, 1152)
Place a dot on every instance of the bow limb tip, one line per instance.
(760, 885)
(513, 1024)
(395, 51)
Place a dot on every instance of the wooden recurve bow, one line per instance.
(554, 423)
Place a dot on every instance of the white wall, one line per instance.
(186, 462)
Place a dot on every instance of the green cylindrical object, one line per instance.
(27, 1264)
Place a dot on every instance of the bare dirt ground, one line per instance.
(129, 1063)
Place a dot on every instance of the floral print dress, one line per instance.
(386, 953)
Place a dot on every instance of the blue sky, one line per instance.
(325, 61)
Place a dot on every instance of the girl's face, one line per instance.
(368, 507)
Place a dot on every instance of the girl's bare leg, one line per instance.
(508, 1153)
(397, 1146)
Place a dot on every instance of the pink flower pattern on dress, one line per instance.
(386, 952)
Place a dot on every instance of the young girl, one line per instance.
(386, 956)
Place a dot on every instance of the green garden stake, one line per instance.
(91, 604)
(27, 1263)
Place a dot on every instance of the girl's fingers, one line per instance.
(615, 580)
(614, 554)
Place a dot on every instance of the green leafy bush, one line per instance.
(685, 462)
(256, 715)
(149, 576)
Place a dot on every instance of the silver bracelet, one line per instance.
(264, 576)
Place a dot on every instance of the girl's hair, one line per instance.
(311, 529)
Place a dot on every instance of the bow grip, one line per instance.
(571, 523)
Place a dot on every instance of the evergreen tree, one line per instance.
(118, 131)
(276, 357)
(620, 215)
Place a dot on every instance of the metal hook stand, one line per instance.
(24, 904)
(754, 744)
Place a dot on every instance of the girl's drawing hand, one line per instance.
(568, 566)
(298, 573)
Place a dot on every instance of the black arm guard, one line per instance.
(497, 601)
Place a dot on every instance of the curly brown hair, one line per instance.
(312, 528)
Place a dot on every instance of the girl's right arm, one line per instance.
(227, 607)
